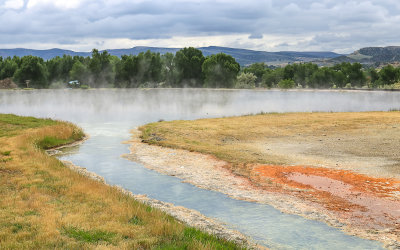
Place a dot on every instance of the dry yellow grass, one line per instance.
(359, 140)
(45, 205)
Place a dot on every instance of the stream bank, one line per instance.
(190, 217)
(207, 172)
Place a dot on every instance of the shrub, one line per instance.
(246, 81)
(286, 84)
(348, 86)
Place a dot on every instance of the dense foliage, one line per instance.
(308, 75)
(220, 71)
(187, 68)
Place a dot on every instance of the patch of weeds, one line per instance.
(57, 201)
(191, 237)
(31, 213)
(51, 187)
(50, 142)
(16, 227)
(41, 172)
(47, 177)
(90, 236)
(6, 159)
(153, 138)
(213, 241)
(6, 153)
(149, 209)
(136, 221)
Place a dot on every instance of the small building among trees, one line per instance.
(74, 84)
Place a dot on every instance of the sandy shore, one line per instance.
(382, 212)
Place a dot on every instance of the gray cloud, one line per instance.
(328, 24)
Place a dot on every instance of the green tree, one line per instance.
(389, 75)
(59, 68)
(353, 73)
(258, 69)
(8, 67)
(169, 72)
(79, 72)
(288, 72)
(188, 62)
(338, 79)
(126, 71)
(303, 72)
(149, 68)
(220, 71)
(32, 69)
(101, 69)
(322, 78)
(272, 78)
(54, 68)
(373, 76)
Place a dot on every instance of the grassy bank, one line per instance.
(289, 138)
(45, 205)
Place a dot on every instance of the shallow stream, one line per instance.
(108, 115)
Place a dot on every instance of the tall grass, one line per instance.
(46, 205)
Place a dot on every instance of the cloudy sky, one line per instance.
(271, 25)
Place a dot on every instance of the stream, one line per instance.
(107, 115)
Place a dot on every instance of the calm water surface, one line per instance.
(108, 115)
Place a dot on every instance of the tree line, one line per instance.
(309, 75)
(187, 68)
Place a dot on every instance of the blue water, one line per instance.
(266, 225)
(108, 115)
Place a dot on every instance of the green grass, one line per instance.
(90, 236)
(6, 153)
(135, 220)
(12, 124)
(16, 227)
(31, 213)
(191, 236)
(51, 142)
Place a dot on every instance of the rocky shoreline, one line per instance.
(209, 173)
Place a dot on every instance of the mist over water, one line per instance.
(154, 104)
(107, 115)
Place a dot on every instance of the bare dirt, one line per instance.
(353, 186)
(7, 83)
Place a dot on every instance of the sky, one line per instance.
(342, 26)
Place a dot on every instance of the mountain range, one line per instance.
(371, 55)
(368, 55)
(242, 56)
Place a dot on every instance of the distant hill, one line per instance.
(372, 55)
(45, 54)
(242, 56)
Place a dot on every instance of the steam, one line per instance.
(148, 105)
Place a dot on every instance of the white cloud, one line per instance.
(60, 4)
(268, 25)
(14, 4)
